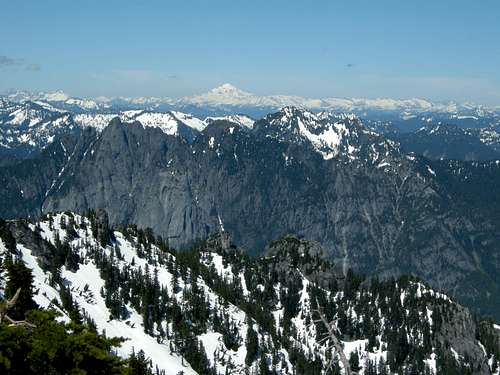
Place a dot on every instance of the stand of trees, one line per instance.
(370, 310)
(53, 347)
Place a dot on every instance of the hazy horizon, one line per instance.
(12, 91)
(441, 52)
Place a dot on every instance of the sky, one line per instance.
(439, 50)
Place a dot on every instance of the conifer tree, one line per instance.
(354, 361)
(20, 277)
(252, 344)
(139, 364)
(6, 236)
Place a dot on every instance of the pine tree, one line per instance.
(139, 364)
(354, 361)
(52, 347)
(263, 365)
(252, 344)
(20, 277)
(6, 236)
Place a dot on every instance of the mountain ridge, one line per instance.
(229, 95)
(368, 202)
(276, 186)
(212, 308)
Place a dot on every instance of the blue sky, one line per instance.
(439, 50)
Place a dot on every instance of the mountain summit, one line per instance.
(230, 90)
(226, 94)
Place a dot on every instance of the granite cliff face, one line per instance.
(27, 182)
(326, 178)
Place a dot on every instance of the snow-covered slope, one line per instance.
(31, 125)
(323, 132)
(27, 114)
(171, 122)
(58, 99)
(331, 135)
(241, 314)
(241, 120)
(189, 120)
(167, 122)
(95, 120)
(87, 286)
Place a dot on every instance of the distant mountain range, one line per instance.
(227, 98)
(452, 142)
(28, 122)
(27, 127)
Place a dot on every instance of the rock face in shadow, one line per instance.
(372, 207)
(26, 183)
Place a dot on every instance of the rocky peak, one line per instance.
(240, 120)
(291, 253)
(339, 136)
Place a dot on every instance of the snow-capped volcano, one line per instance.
(228, 99)
(225, 94)
(329, 134)
(229, 95)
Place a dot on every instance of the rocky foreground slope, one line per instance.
(212, 309)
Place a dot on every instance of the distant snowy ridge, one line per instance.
(241, 120)
(36, 125)
(331, 135)
(228, 95)
(168, 122)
